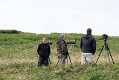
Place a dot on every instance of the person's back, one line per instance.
(88, 47)
(87, 44)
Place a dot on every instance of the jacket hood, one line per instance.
(87, 36)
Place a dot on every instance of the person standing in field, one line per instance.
(62, 49)
(88, 47)
(43, 52)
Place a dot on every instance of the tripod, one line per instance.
(63, 59)
(106, 47)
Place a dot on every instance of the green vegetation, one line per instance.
(18, 59)
(27, 71)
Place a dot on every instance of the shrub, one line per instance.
(10, 31)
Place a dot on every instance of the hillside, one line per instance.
(18, 59)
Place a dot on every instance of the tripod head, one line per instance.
(105, 38)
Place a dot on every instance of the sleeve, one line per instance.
(49, 49)
(81, 43)
(39, 48)
(94, 46)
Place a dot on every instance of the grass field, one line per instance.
(18, 59)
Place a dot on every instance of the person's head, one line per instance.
(61, 36)
(45, 40)
(89, 31)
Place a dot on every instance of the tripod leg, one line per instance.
(110, 55)
(67, 60)
(100, 54)
(58, 62)
(70, 59)
(49, 60)
(86, 62)
(63, 60)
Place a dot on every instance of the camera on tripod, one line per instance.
(105, 37)
(106, 47)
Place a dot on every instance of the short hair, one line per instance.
(44, 39)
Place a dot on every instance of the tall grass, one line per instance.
(18, 59)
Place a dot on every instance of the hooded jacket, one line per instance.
(88, 44)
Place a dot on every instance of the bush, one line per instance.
(10, 31)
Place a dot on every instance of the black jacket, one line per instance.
(88, 44)
(43, 50)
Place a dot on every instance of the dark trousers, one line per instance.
(43, 61)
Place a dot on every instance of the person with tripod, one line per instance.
(43, 52)
(88, 47)
(62, 50)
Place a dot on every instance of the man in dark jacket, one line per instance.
(88, 47)
(43, 52)
(62, 50)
